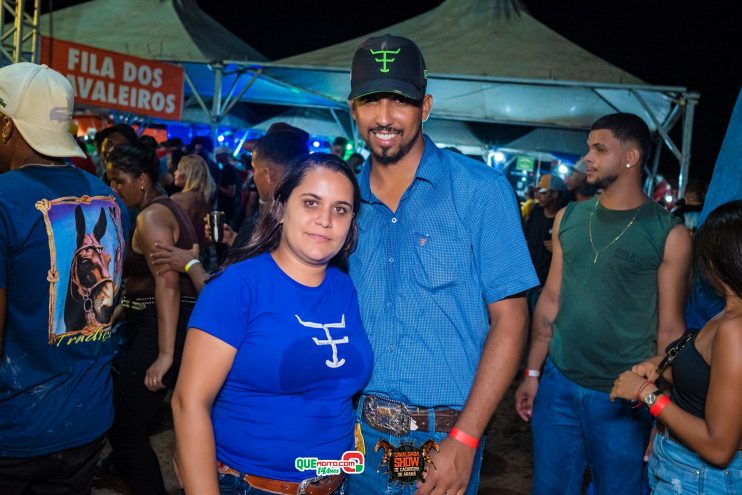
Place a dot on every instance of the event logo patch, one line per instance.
(351, 462)
(2, 103)
(406, 463)
(384, 60)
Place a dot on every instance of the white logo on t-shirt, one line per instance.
(326, 327)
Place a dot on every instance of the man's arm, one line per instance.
(672, 286)
(3, 303)
(497, 365)
(541, 331)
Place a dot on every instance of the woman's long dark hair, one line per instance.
(717, 248)
(267, 234)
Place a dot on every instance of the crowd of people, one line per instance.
(374, 313)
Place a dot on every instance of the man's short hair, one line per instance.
(282, 148)
(627, 127)
(340, 141)
(284, 127)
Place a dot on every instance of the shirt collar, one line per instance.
(429, 169)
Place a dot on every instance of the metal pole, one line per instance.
(35, 33)
(18, 34)
(691, 100)
(216, 102)
(237, 98)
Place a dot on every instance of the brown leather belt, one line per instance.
(396, 418)
(445, 419)
(324, 485)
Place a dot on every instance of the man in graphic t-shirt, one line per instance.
(62, 237)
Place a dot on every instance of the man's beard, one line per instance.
(385, 158)
(603, 182)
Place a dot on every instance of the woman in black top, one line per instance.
(697, 449)
(157, 308)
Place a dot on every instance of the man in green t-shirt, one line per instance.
(613, 297)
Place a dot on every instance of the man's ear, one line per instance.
(427, 106)
(6, 129)
(633, 156)
(352, 107)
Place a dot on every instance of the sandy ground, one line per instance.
(507, 465)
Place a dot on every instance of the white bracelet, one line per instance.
(534, 373)
(191, 263)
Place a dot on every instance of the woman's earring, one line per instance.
(141, 188)
(628, 165)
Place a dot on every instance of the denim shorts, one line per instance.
(673, 469)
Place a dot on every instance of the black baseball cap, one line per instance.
(388, 64)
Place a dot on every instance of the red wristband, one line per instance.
(464, 438)
(658, 406)
(531, 372)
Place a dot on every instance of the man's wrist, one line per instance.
(464, 438)
(190, 264)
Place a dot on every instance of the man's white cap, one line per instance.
(39, 101)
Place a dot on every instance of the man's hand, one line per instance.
(547, 245)
(452, 469)
(525, 394)
(626, 386)
(648, 369)
(171, 258)
(228, 235)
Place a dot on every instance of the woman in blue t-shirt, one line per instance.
(698, 447)
(276, 348)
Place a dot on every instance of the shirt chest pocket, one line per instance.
(440, 259)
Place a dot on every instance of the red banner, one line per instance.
(113, 80)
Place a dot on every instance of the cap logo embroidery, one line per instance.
(2, 103)
(61, 114)
(384, 60)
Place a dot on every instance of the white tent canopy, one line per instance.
(483, 67)
(551, 141)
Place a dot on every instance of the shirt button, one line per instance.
(394, 219)
(388, 305)
(391, 260)
(391, 347)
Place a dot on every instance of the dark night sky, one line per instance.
(663, 42)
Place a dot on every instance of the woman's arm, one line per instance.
(176, 259)
(195, 451)
(156, 224)
(716, 437)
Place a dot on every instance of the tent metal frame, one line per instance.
(683, 104)
(19, 43)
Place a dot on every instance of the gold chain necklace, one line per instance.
(590, 230)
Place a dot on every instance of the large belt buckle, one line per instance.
(387, 416)
(302, 489)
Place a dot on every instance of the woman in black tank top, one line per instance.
(157, 308)
(697, 449)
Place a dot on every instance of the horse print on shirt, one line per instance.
(86, 250)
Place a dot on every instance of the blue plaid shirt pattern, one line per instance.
(425, 274)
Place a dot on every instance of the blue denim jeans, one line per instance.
(374, 481)
(674, 469)
(575, 427)
(232, 485)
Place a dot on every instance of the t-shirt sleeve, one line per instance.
(499, 246)
(223, 307)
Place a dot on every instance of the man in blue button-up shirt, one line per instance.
(441, 268)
